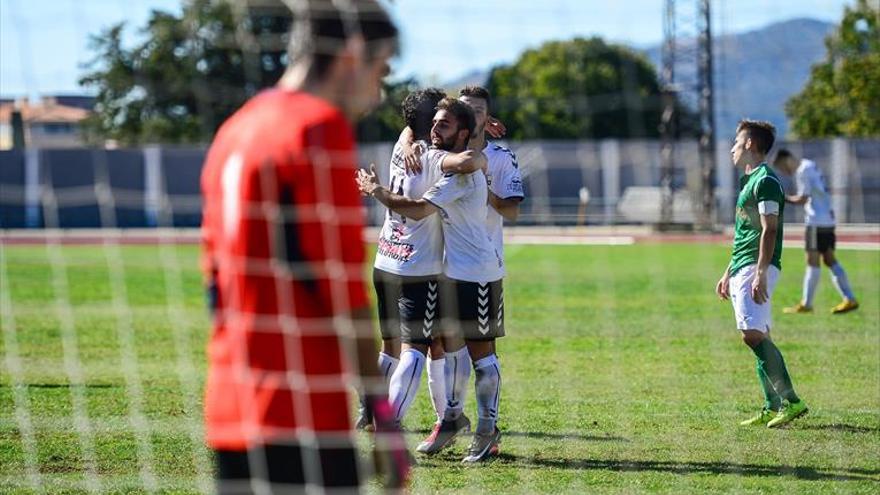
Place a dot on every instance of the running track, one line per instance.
(861, 237)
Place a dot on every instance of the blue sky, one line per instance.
(43, 43)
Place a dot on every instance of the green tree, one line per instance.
(582, 88)
(186, 76)
(842, 97)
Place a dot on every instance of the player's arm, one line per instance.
(722, 288)
(769, 194)
(208, 261)
(466, 162)
(769, 230)
(506, 207)
(209, 275)
(803, 190)
(506, 191)
(417, 209)
(411, 153)
(346, 294)
(797, 199)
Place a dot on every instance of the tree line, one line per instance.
(190, 71)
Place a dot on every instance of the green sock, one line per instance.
(772, 400)
(774, 366)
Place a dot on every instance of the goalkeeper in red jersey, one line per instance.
(283, 259)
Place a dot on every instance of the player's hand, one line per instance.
(759, 288)
(390, 453)
(367, 181)
(722, 288)
(495, 128)
(412, 157)
(493, 200)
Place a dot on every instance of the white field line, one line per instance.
(848, 245)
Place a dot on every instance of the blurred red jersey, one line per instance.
(282, 244)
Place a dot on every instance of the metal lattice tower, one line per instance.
(686, 79)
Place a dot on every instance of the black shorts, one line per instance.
(419, 309)
(472, 310)
(413, 317)
(820, 239)
(387, 286)
(284, 467)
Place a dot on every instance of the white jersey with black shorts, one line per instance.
(472, 297)
(409, 257)
(505, 182)
(818, 213)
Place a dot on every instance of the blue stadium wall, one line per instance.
(92, 188)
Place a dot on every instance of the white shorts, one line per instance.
(749, 314)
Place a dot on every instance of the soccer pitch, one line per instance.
(622, 373)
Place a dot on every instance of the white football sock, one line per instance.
(841, 282)
(437, 385)
(458, 372)
(488, 387)
(405, 382)
(811, 281)
(387, 365)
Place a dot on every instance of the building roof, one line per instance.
(47, 110)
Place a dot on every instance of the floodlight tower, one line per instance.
(686, 79)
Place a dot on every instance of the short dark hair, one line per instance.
(783, 153)
(761, 132)
(463, 113)
(477, 92)
(320, 30)
(418, 110)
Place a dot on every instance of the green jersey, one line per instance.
(755, 188)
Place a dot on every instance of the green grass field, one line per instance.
(622, 373)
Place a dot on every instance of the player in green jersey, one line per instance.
(754, 268)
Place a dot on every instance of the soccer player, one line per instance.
(283, 257)
(505, 186)
(752, 273)
(405, 250)
(409, 260)
(819, 239)
(502, 174)
(471, 295)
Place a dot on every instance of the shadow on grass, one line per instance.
(800, 472)
(541, 434)
(841, 427)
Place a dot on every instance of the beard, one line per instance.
(440, 142)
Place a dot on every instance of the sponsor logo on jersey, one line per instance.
(394, 249)
(515, 186)
(396, 233)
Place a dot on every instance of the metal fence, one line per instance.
(159, 186)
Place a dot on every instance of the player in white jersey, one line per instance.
(505, 181)
(503, 176)
(409, 259)
(820, 240)
(471, 295)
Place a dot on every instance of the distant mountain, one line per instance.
(756, 72)
(476, 78)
